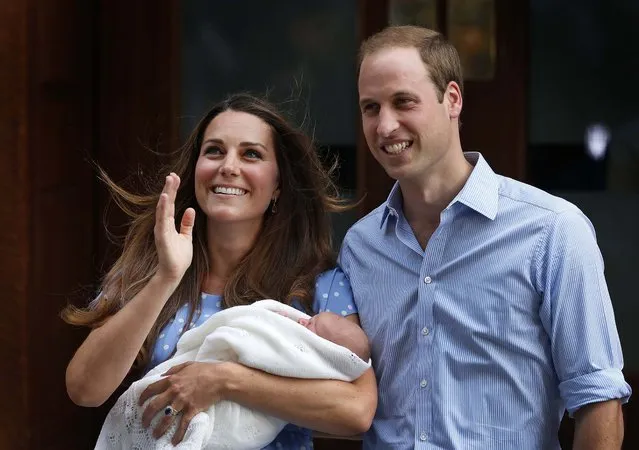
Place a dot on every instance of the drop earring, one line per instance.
(274, 206)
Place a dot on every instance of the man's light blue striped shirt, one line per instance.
(485, 338)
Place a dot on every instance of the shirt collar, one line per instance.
(393, 204)
(480, 192)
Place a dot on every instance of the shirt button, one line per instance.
(425, 331)
(423, 436)
(428, 280)
(423, 383)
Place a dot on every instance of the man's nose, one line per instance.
(387, 123)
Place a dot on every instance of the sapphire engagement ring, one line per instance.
(171, 411)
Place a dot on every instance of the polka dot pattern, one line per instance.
(167, 341)
(333, 293)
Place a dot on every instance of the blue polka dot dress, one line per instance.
(332, 293)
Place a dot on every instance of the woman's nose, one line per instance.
(230, 167)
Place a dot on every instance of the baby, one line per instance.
(340, 331)
(267, 335)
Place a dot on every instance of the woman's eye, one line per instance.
(212, 150)
(253, 154)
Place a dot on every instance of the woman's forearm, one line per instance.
(329, 406)
(107, 354)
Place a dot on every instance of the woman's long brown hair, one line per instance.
(293, 248)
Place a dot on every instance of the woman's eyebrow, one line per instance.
(252, 144)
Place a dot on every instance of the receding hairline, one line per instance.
(403, 36)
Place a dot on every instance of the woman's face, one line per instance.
(236, 174)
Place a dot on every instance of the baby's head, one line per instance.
(340, 331)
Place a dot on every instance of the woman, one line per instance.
(253, 199)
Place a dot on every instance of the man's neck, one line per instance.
(425, 198)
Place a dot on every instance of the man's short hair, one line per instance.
(439, 55)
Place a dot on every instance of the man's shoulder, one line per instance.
(370, 223)
(529, 197)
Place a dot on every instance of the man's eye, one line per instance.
(370, 108)
(403, 101)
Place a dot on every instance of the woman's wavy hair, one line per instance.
(293, 248)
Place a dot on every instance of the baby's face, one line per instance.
(325, 319)
(309, 324)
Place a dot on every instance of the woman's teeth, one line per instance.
(228, 190)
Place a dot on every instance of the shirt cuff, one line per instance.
(598, 386)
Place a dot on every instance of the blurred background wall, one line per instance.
(551, 99)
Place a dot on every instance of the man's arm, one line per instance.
(330, 406)
(599, 426)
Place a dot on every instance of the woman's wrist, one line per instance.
(166, 283)
(230, 376)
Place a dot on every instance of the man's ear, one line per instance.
(453, 97)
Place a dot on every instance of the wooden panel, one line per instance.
(372, 182)
(494, 112)
(138, 94)
(15, 218)
(61, 81)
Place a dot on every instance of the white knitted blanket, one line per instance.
(256, 336)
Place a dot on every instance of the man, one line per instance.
(483, 298)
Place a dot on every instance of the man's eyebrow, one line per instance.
(365, 101)
(404, 94)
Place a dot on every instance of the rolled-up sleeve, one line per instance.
(577, 313)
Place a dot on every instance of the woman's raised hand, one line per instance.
(175, 249)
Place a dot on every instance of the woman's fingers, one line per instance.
(167, 182)
(175, 250)
(162, 426)
(188, 220)
(172, 185)
(185, 419)
(160, 213)
(165, 210)
(166, 421)
(157, 404)
(153, 389)
(177, 368)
